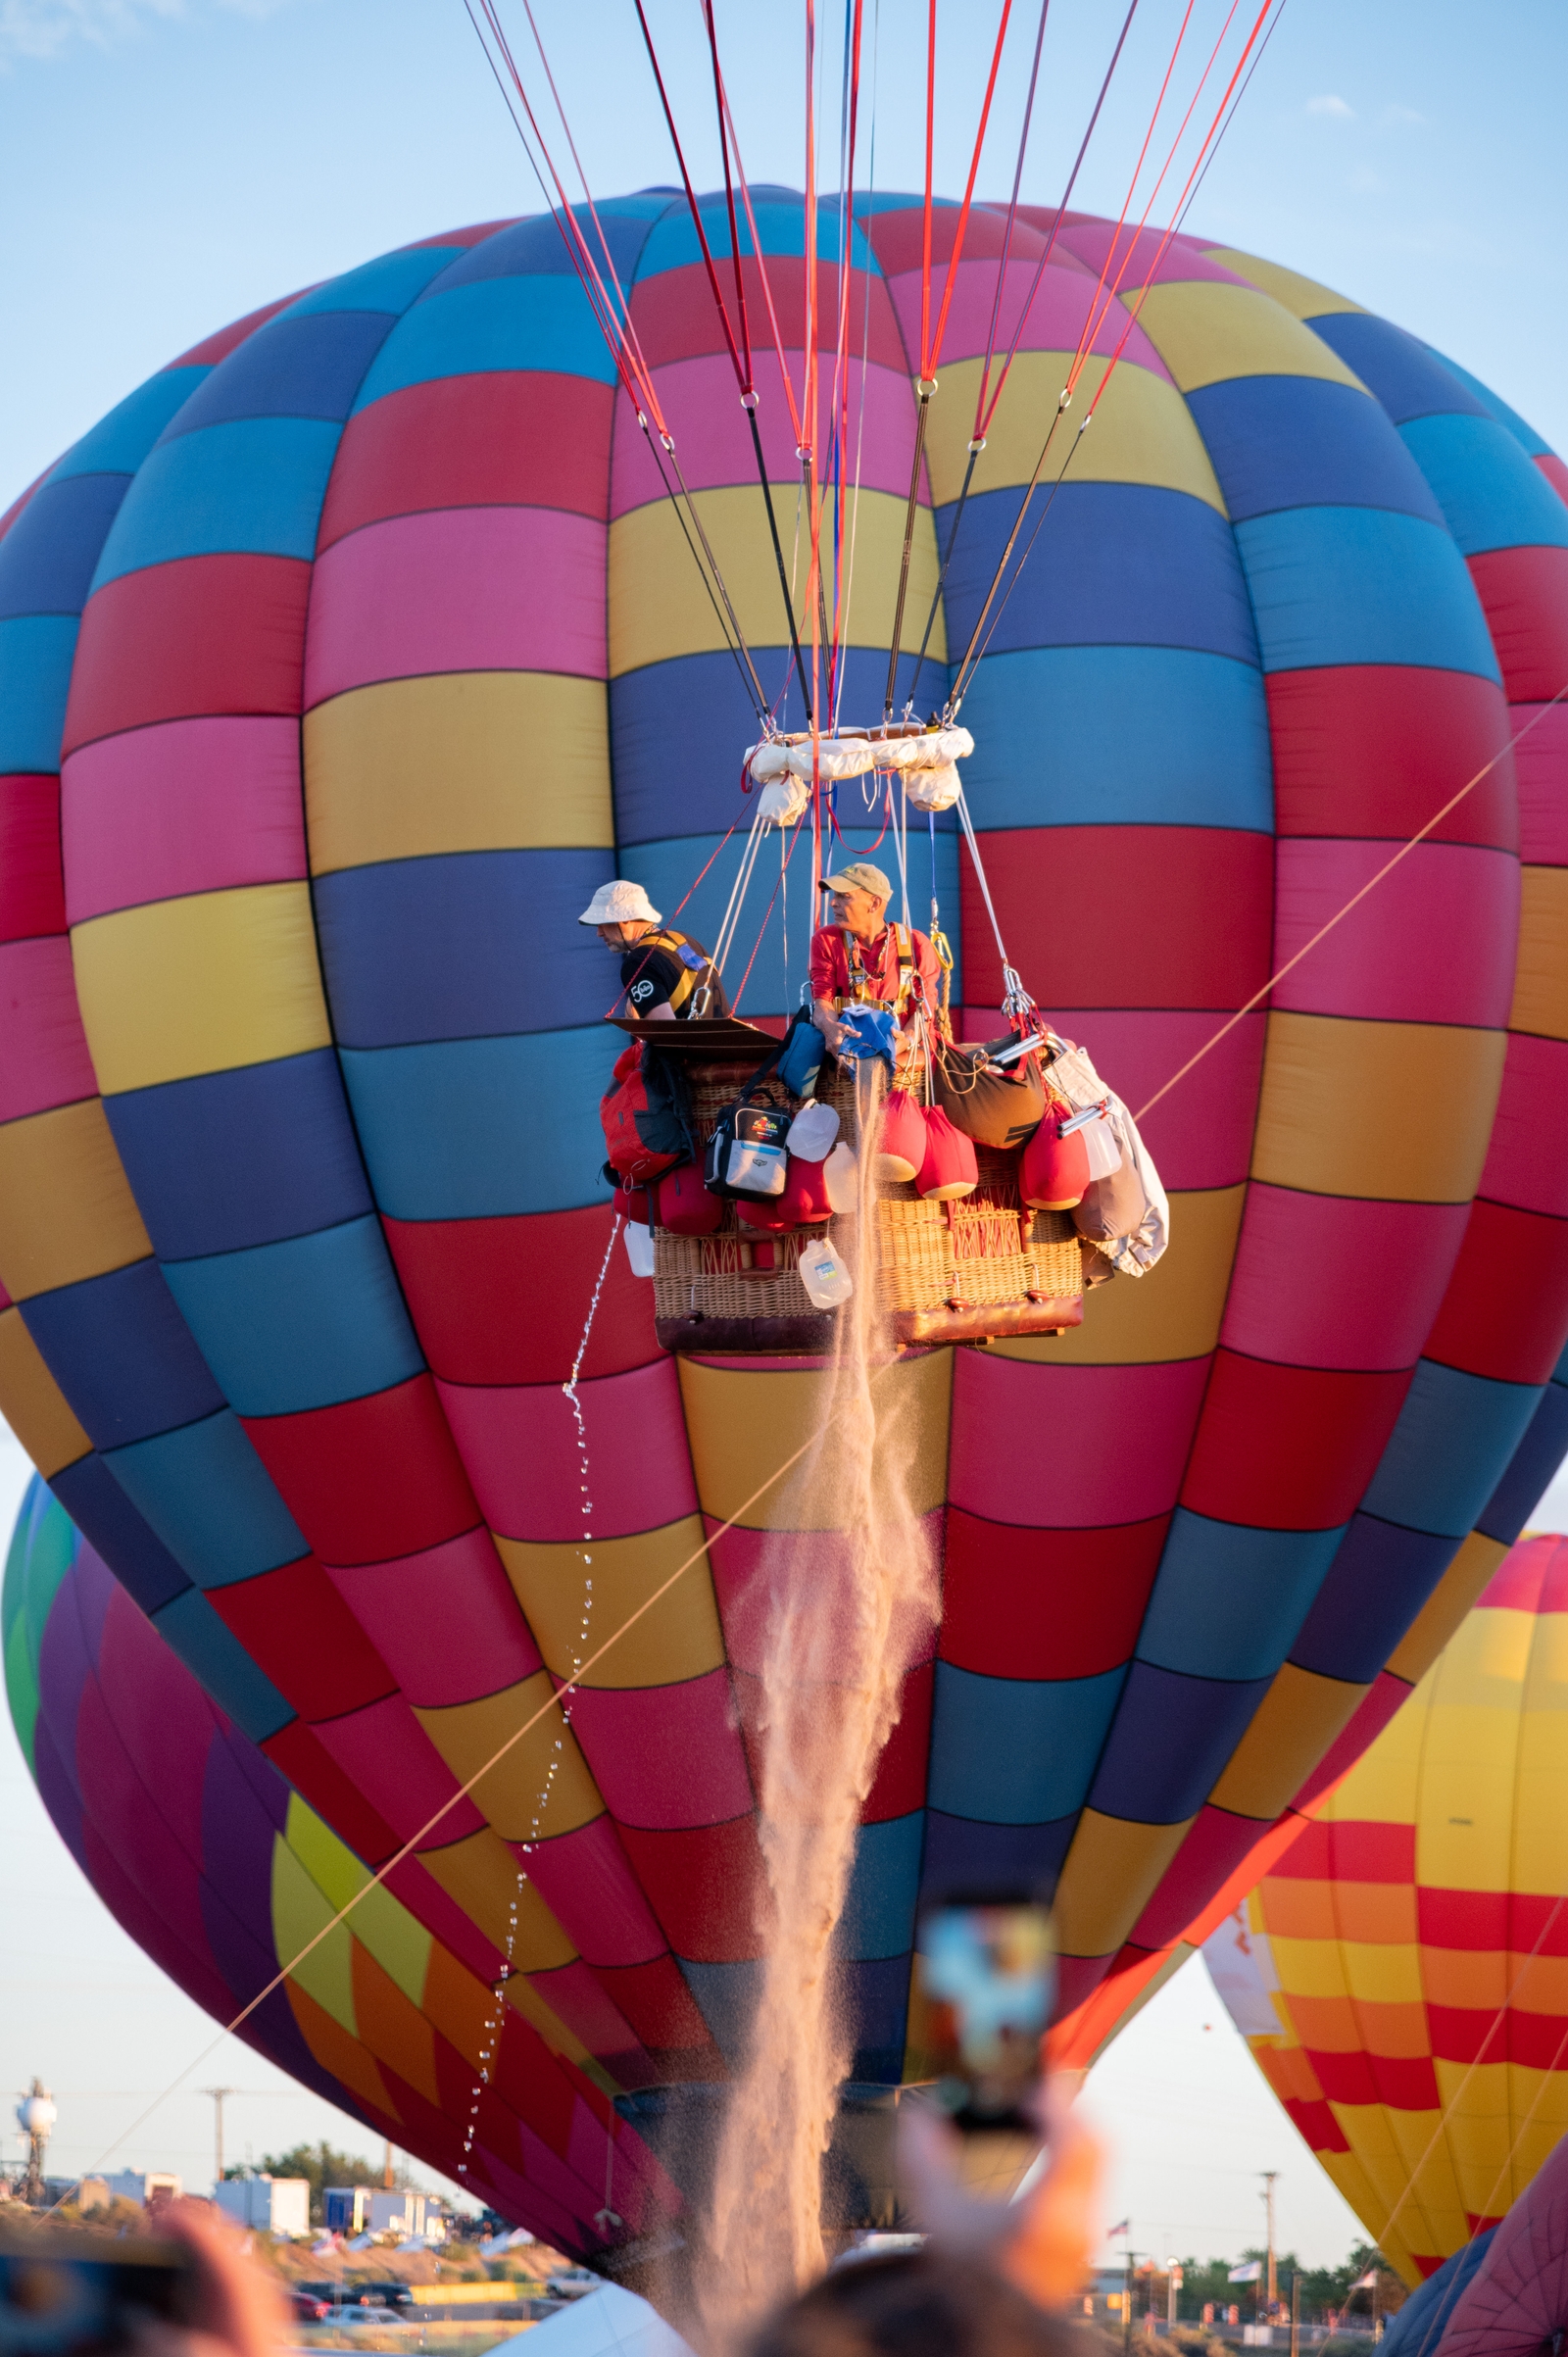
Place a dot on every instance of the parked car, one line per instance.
(309, 2307)
(361, 2312)
(572, 2284)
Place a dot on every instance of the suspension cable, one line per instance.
(612, 314)
(985, 410)
(931, 341)
(975, 649)
(1339, 914)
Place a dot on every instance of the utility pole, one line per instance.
(218, 2093)
(388, 2180)
(1127, 2306)
(1295, 2315)
(1268, 2176)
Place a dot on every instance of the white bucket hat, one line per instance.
(619, 904)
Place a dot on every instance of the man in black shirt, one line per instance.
(666, 976)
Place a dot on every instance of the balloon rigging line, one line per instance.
(737, 334)
(1474, 2064)
(613, 319)
(973, 659)
(1442, 2309)
(931, 343)
(986, 412)
(1011, 222)
(494, 2026)
(1093, 320)
(1221, 122)
(1113, 291)
(1355, 901)
(412, 1845)
(977, 438)
(1230, 119)
(866, 336)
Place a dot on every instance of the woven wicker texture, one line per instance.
(975, 1253)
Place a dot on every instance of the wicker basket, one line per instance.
(983, 1253)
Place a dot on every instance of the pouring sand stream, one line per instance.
(850, 1590)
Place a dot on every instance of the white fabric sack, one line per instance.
(1073, 1077)
(783, 800)
(767, 761)
(842, 1174)
(837, 757)
(932, 749)
(639, 1248)
(933, 789)
(813, 1132)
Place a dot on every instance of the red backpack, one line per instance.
(642, 1135)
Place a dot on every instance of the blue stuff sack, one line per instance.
(801, 1058)
(869, 1032)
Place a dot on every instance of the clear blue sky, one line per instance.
(166, 165)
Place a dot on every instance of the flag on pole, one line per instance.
(1367, 2282)
(1247, 2274)
(1125, 2227)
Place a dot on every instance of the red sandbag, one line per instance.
(803, 1204)
(1053, 1170)
(685, 1205)
(950, 1168)
(900, 1146)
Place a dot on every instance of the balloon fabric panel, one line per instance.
(1408, 1943)
(368, 1172)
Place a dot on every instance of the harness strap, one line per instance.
(695, 969)
(861, 981)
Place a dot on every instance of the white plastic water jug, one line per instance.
(1100, 1138)
(841, 1174)
(826, 1280)
(812, 1132)
(640, 1248)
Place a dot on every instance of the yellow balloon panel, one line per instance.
(1401, 1975)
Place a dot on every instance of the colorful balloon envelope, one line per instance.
(1401, 1972)
(348, 656)
(205, 1855)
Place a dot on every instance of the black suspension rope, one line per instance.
(750, 407)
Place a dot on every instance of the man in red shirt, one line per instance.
(858, 958)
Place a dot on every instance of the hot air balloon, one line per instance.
(1400, 1973)
(345, 659)
(1079, 2038)
(1516, 2302)
(206, 1856)
(1417, 2328)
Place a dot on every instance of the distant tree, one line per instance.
(321, 2165)
(1322, 2288)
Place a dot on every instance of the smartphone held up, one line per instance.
(984, 1981)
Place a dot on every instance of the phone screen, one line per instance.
(985, 1973)
(68, 2293)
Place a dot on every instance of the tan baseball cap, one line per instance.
(859, 877)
